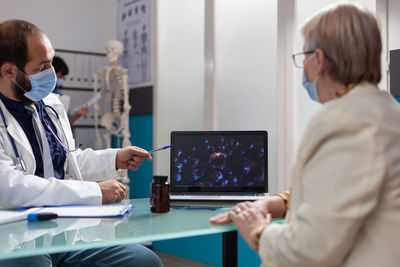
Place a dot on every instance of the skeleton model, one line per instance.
(114, 90)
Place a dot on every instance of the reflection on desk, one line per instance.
(27, 239)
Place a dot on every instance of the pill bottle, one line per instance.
(159, 194)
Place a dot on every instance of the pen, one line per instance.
(33, 217)
(158, 149)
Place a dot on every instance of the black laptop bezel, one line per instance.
(199, 189)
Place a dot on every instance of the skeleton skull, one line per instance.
(113, 49)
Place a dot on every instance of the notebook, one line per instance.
(219, 165)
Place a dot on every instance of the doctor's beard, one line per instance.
(18, 92)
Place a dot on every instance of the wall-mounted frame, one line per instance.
(135, 31)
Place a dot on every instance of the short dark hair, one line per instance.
(60, 66)
(13, 44)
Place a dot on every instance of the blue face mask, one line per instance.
(59, 82)
(311, 88)
(42, 84)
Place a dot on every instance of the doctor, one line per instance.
(39, 163)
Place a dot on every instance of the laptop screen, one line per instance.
(219, 161)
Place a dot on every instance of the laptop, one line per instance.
(219, 165)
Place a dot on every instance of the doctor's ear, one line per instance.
(7, 70)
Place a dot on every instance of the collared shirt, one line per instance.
(24, 118)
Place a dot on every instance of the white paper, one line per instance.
(88, 211)
(7, 216)
(90, 102)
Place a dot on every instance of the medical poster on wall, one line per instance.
(134, 31)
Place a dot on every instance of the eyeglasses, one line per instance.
(299, 59)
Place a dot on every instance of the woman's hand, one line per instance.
(261, 205)
(249, 222)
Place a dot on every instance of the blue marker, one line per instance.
(41, 216)
(158, 149)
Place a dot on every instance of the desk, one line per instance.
(21, 239)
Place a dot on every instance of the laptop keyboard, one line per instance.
(218, 196)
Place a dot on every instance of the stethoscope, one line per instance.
(21, 161)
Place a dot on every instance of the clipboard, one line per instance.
(91, 211)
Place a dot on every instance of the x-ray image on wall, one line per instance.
(134, 31)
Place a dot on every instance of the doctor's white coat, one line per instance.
(82, 168)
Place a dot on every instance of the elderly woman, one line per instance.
(344, 203)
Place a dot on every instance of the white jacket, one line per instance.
(345, 195)
(18, 189)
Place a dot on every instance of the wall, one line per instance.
(141, 129)
(73, 24)
(394, 23)
(245, 71)
(179, 74)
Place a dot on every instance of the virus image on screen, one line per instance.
(228, 160)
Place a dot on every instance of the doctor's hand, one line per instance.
(131, 157)
(113, 191)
